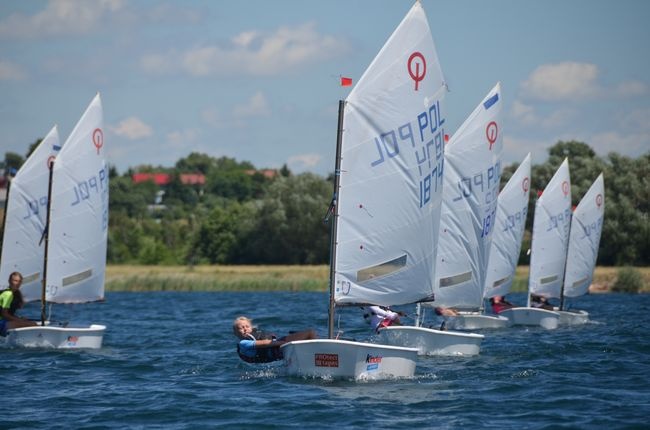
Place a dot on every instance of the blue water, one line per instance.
(168, 361)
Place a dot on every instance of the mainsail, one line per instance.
(79, 214)
(469, 203)
(22, 248)
(509, 231)
(391, 172)
(551, 227)
(584, 240)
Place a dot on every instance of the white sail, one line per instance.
(551, 227)
(469, 202)
(79, 214)
(22, 248)
(509, 231)
(391, 172)
(584, 240)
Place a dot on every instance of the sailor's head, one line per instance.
(15, 280)
(242, 326)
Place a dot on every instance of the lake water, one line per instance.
(169, 361)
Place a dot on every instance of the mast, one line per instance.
(335, 210)
(46, 235)
(566, 260)
(530, 258)
(4, 216)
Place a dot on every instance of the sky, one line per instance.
(259, 80)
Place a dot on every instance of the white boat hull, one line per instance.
(56, 337)
(475, 322)
(431, 341)
(342, 359)
(532, 317)
(573, 317)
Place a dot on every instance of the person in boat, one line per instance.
(11, 300)
(500, 304)
(382, 316)
(256, 346)
(540, 302)
(446, 312)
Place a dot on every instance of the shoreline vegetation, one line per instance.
(135, 278)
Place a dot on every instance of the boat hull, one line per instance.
(475, 322)
(431, 341)
(57, 337)
(532, 317)
(573, 317)
(342, 359)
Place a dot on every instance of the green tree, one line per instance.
(13, 161)
(289, 227)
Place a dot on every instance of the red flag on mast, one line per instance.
(346, 82)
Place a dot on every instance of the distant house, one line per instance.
(267, 173)
(162, 179)
(159, 179)
(192, 178)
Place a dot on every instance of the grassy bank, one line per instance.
(216, 278)
(275, 278)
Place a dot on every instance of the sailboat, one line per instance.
(508, 234)
(75, 235)
(24, 222)
(551, 225)
(386, 205)
(469, 201)
(584, 240)
(470, 198)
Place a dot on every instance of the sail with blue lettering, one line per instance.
(512, 208)
(391, 172)
(551, 225)
(469, 202)
(79, 214)
(584, 240)
(22, 247)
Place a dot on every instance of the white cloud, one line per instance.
(516, 148)
(527, 115)
(562, 81)
(633, 144)
(257, 106)
(631, 89)
(304, 161)
(213, 117)
(524, 113)
(11, 72)
(59, 17)
(132, 128)
(635, 120)
(182, 138)
(251, 53)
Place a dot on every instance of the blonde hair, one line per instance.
(241, 318)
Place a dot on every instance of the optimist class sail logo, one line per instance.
(413, 65)
(525, 184)
(565, 188)
(98, 139)
(599, 200)
(492, 132)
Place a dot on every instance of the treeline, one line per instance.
(241, 215)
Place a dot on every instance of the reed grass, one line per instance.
(278, 278)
